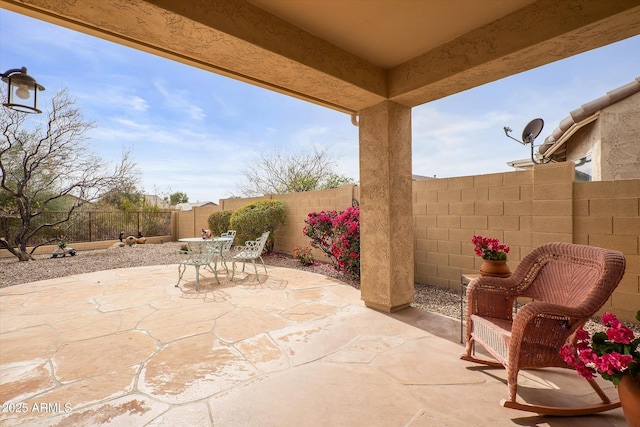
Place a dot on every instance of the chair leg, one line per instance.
(214, 269)
(180, 273)
(253, 261)
(265, 267)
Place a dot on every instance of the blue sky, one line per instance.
(193, 131)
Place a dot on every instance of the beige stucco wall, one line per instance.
(613, 141)
(620, 135)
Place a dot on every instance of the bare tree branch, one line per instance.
(50, 163)
(278, 173)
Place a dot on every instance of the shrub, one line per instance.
(319, 229)
(304, 255)
(337, 234)
(346, 241)
(254, 218)
(219, 222)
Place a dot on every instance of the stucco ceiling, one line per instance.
(352, 54)
(389, 32)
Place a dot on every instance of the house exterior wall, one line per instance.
(613, 141)
(584, 142)
(620, 135)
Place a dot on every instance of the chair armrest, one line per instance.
(573, 316)
(543, 327)
(492, 297)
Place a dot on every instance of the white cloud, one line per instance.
(178, 100)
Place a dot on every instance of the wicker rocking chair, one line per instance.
(568, 284)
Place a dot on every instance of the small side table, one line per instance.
(465, 279)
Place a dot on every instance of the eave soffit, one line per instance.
(237, 39)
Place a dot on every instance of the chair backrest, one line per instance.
(254, 248)
(229, 243)
(214, 248)
(578, 276)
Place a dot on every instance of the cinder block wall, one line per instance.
(190, 223)
(607, 214)
(448, 212)
(297, 207)
(525, 209)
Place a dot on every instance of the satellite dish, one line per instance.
(529, 134)
(532, 130)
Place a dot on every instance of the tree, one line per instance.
(125, 197)
(279, 173)
(177, 197)
(42, 165)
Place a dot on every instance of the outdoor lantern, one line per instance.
(22, 90)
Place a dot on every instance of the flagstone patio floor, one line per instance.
(291, 348)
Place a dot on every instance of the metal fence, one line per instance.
(94, 226)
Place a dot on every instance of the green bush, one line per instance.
(219, 222)
(254, 218)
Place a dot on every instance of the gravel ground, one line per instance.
(12, 272)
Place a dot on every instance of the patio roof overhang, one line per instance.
(350, 55)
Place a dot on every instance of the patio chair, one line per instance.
(567, 284)
(201, 254)
(251, 251)
(225, 251)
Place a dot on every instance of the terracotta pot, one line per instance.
(494, 268)
(629, 392)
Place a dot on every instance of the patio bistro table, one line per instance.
(202, 253)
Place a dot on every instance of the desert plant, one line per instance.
(253, 219)
(304, 255)
(219, 222)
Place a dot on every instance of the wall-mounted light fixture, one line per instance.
(22, 90)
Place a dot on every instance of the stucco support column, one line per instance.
(386, 220)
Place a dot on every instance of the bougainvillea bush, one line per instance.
(337, 234)
(346, 242)
(319, 229)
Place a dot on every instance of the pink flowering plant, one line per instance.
(490, 248)
(612, 354)
(319, 229)
(337, 234)
(346, 244)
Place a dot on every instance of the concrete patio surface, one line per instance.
(127, 348)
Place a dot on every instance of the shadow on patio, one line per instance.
(126, 347)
